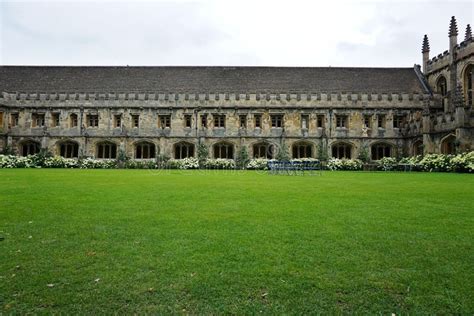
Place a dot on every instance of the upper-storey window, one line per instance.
(368, 121)
(55, 120)
(73, 120)
(341, 121)
(381, 121)
(258, 120)
(135, 120)
(92, 120)
(117, 120)
(219, 120)
(277, 120)
(14, 118)
(468, 84)
(320, 121)
(442, 89)
(187, 121)
(304, 121)
(243, 121)
(204, 120)
(38, 120)
(398, 121)
(165, 121)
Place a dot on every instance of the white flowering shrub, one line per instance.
(344, 164)
(436, 162)
(90, 163)
(60, 162)
(140, 164)
(10, 161)
(219, 164)
(258, 164)
(387, 164)
(463, 162)
(186, 163)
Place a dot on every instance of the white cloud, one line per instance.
(277, 33)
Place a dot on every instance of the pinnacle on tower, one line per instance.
(426, 45)
(468, 36)
(453, 27)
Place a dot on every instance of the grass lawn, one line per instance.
(125, 241)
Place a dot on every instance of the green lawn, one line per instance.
(126, 241)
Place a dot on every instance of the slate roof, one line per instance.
(207, 79)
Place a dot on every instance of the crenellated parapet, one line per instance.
(157, 99)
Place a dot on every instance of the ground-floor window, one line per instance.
(263, 150)
(145, 150)
(418, 148)
(183, 150)
(302, 150)
(30, 148)
(381, 150)
(342, 151)
(223, 150)
(448, 145)
(69, 150)
(106, 151)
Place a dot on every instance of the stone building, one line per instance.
(312, 112)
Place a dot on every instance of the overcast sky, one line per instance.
(245, 33)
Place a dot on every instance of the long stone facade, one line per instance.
(145, 112)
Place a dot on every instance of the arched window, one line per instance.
(223, 150)
(263, 150)
(418, 148)
(381, 150)
(183, 150)
(106, 150)
(342, 151)
(442, 89)
(448, 145)
(468, 84)
(30, 148)
(302, 150)
(145, 150)
(69, 150)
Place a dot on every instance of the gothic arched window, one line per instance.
(223, 150)
(106, 150)
(145, 150)
(69, 150)
(381, 150)
(468, 85)
(442, 89)
(302, 150)
(342, 151)
(30, 148)
(183, 150)
(263, 150)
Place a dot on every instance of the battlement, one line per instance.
(153, 99)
